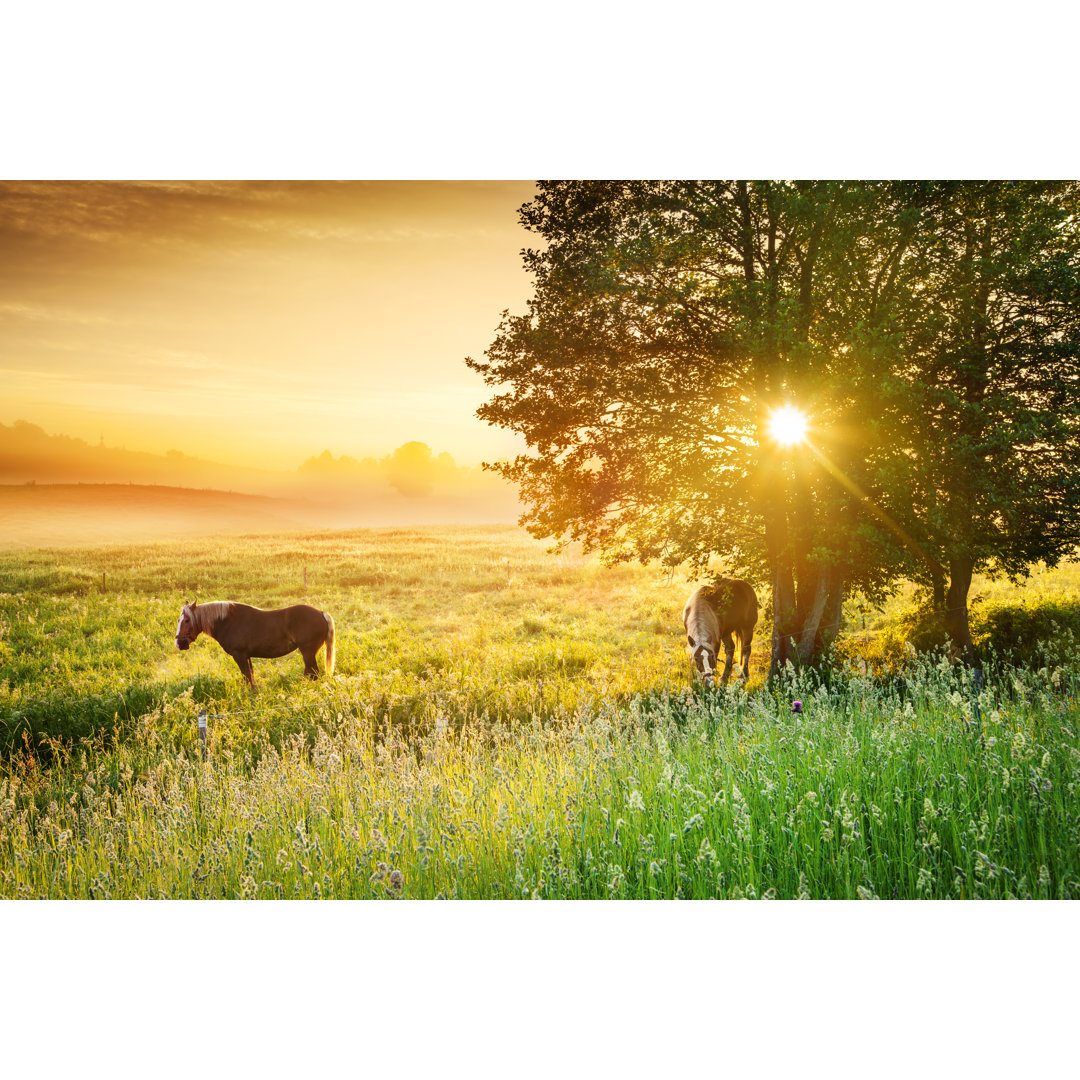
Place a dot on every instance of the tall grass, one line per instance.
(500, 726)
(872, 791)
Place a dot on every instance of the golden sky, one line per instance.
(257, 323)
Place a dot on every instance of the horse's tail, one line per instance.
(329, 642)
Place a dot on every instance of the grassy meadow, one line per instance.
(508, 723)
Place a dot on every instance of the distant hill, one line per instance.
(28, 453)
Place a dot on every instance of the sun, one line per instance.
(787, 425)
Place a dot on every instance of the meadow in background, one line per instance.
(505, 722)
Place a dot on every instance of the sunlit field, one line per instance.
(505, 723)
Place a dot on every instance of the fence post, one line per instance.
(202, 733)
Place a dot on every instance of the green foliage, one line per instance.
(1031, 632)
(872, 791)
(979, 413)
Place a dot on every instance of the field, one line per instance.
(505, 723)
(37, 515)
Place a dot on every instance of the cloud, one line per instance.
(205, 212)
(35, 312)
(337, 308)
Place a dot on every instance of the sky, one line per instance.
(258, 323)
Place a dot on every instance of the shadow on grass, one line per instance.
(36, 723)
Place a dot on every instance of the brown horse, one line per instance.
(244, 632)
(713, 614)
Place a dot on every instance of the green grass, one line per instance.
(502, 724)
(418, 612)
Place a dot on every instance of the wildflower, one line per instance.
(397, 879)
(796, 706)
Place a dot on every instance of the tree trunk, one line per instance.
(821, 623)
(783, 599)
(812, 620)
(834, 609)
(937, 582)
(956, 608)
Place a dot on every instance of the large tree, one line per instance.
(670, 319)
(983, 395)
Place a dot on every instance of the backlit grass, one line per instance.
(503, 724)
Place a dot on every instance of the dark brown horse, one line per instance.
(715, 613)
(244, 632)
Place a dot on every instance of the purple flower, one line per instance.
(796, 706)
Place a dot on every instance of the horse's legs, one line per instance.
(244, 664)
(729, 653)
(311, 667)
(745, 638)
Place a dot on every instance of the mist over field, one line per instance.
(59, 490)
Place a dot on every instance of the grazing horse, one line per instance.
(713, 614)
(244, 632)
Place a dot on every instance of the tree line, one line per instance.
(929, 330)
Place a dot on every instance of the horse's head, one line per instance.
(187, 629)
(705, 662)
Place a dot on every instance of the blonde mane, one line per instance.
(208, 615)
